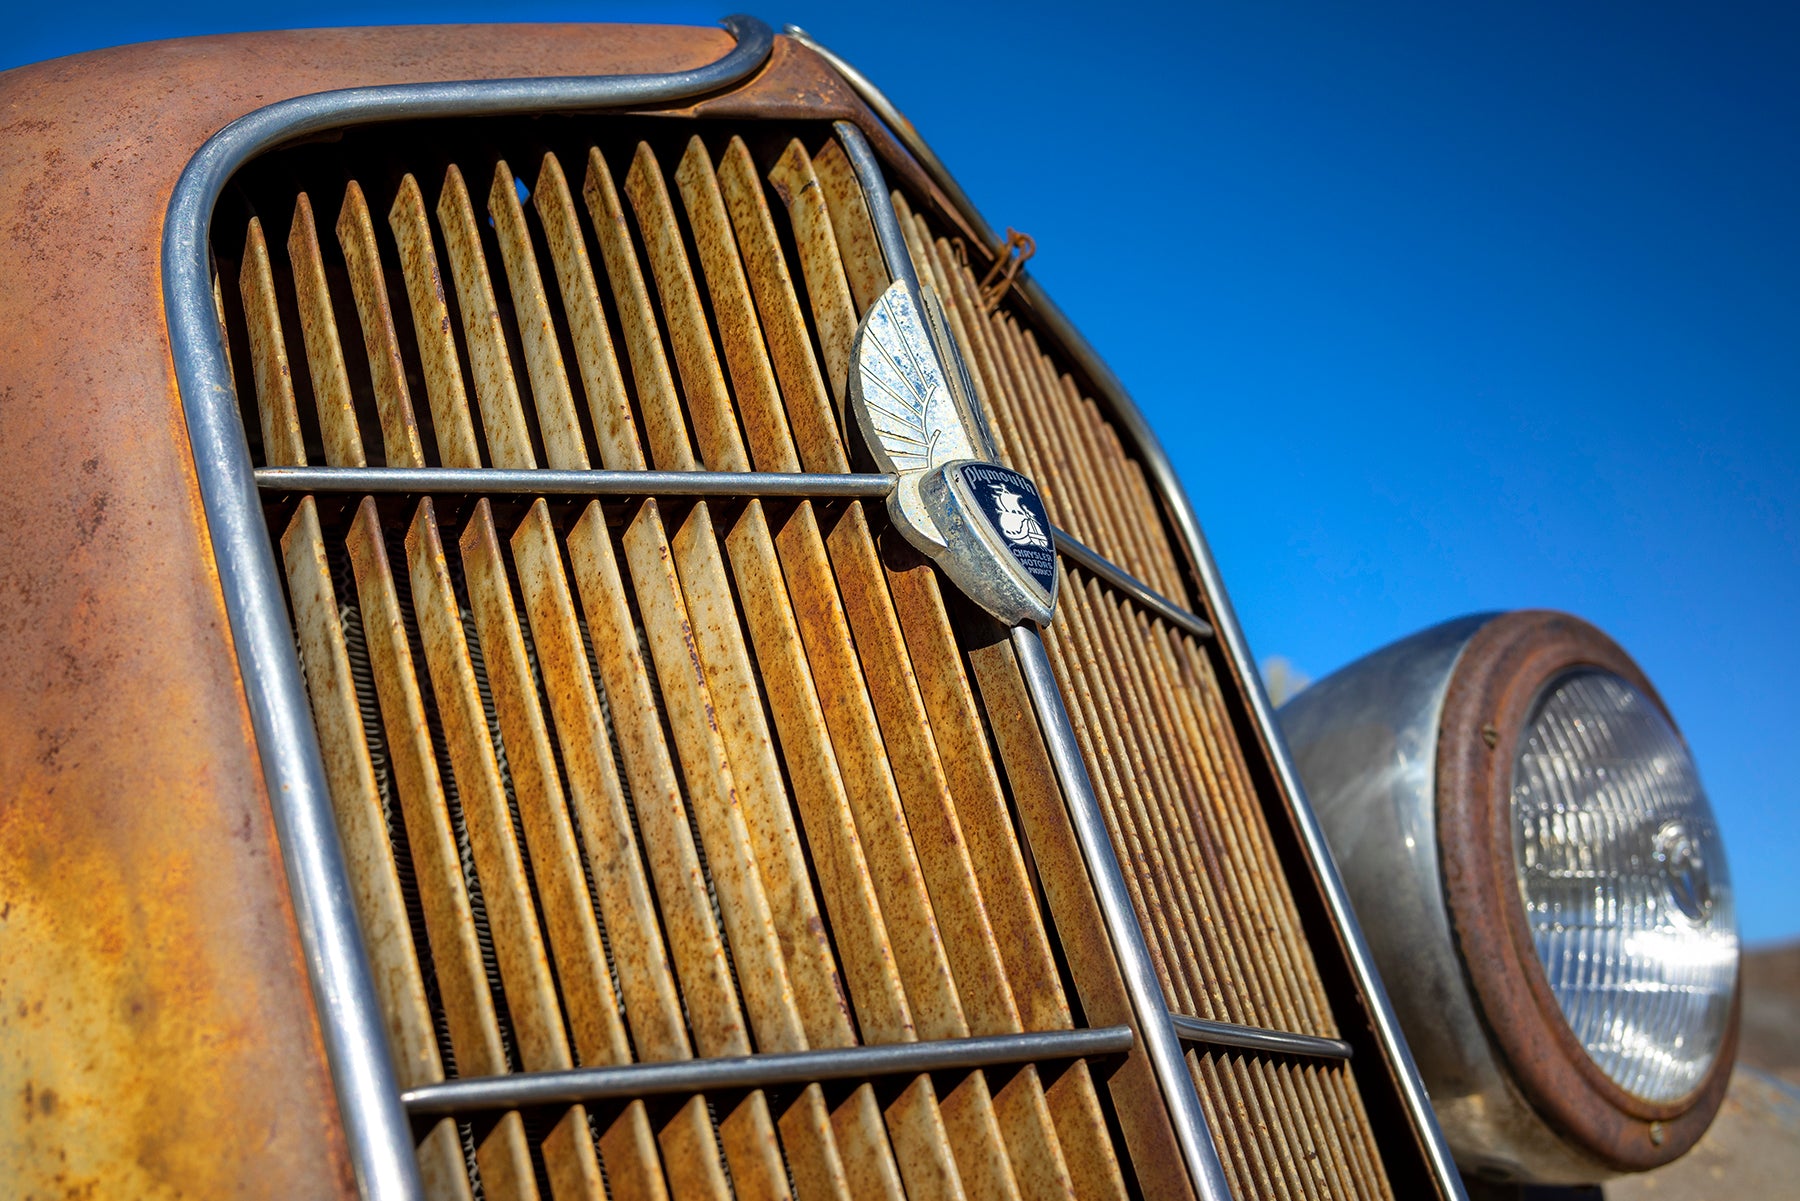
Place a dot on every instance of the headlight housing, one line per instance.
(1524, 836)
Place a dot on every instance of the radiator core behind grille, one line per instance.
(644, 779)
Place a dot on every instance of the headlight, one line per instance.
(1627, 900)
(1525, 839)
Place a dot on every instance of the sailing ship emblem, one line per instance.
(1015, 522)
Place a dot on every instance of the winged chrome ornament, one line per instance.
(983, 524)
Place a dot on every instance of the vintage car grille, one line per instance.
(654, 777)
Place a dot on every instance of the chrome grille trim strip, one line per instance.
(1255, 1038)
(494, 482)
(1155, 1023)
(1094, 563)
(378, 1137)
(1198, 1150)
(761, 1071)
(1143, 441)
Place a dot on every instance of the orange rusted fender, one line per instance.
(157, 1035)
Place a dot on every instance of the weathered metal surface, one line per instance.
(1199, 892)
(951, 709)
(324, 349)
(557, 423)
(689, 1150)
(687, 917)
(918, 1131)
(574, 936)
(707, 404)
(105, 552)
(722, 644)
(809, 420)
(649, 992)
(663, 429)
(904, 707)
(368, 284)
(651, 1004)
(819, 994)
(849, 210)
(604, 386)
(833, 314)
(362, 828)
(707, 770)
(437, 866)
(1084, 481)
(444, 391)
(1499, 677)
(701, 659)
(697, 950)
(1207, 888)
(524, 963)
(496, 389)
(1156, 1160)
(280, 418)
(842, 872)
(994, 850)
(450, 927)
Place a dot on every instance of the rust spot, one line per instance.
(92, 517)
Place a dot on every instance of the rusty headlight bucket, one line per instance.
(1526, 841)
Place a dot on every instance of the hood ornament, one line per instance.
(983, 524)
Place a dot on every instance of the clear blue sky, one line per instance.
(1436, 311)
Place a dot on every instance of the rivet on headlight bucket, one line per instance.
(1490, 735)
(1656, 1133)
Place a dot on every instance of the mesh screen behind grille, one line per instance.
(660, 779)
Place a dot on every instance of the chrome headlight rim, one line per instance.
(1488, 706)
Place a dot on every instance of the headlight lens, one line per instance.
(1622, 873)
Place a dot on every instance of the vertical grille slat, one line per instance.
(932, 1008)
(780, 807)
(387, 370)
(283, 442)
(324, 350)
(387, 931)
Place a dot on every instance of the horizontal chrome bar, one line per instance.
(496, 482)
(1094, 563)
(1255, 1038)
(759, 1071)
